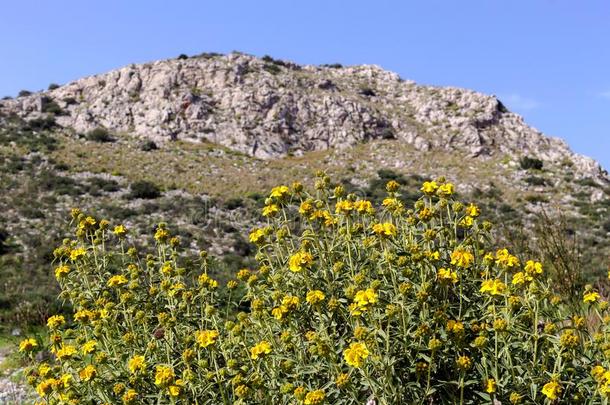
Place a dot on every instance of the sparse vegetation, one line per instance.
(528, 163)
(101, 135)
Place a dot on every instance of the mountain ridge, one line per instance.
(269, 109)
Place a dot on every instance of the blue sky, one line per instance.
(548, 60)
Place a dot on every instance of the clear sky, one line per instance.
(548, 60)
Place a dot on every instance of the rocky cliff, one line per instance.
(268, 108)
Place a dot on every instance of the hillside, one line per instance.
(199, 141)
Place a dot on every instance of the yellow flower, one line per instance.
(342, 380)
(464, 363)
(314, 297)
(291, 302)
(363, 299)
(175, 390)
(87, 223)
(280, 192)
(344, 207)
(505, 259)
(130, 397)
(120, 231)
(364, 207)
(466, 222)
(161, 235)
(279, 312)
(257, 236)
(569, 339)
(299, 261)
(27, 345)
(136, 364)
(532, 267)
(84, 315)
(429, 187)
(45, 387)
(77, 254)
(493, 287)
(515, 398)
(392, 186)
(89, 347)
(425, 214)
(446, 275)
(552, 390)
(44, 370)
(521, 278)
(456, 327)
(117, 281)
(56, 321)
(386, 229)
(314, 397)
(591, 296)
(65, 352)
(446, 190)
(393, 205)
(270, 210)
(260, 349)
(597, 372)
(490, 386)
(164, 376)
(88, 373)
(473, 211)
(462, 258)
(306, 208)
(356, 354)
(61, 271)
(206, 338)
(299, 393)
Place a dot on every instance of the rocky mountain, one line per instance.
(268, 108)
(198, 142)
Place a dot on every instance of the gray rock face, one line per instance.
(269, 109)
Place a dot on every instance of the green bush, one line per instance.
(145, 190)
(527, 163)
(42, 123)
(272, 68)
(366, 303)
(148, 146)
(535, 181)
(100, 134)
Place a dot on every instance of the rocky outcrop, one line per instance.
(268, 108)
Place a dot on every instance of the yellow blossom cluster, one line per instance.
(347, 300)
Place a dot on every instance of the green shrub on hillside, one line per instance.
(100, 134)
(528, 162)
(381, 303)
(145, 190)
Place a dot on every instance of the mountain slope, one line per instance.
(225, 129)
(268, 108)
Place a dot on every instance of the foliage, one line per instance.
(144, 189)
(100, 135)
(348, 302)
(148, 146)
(527, 162)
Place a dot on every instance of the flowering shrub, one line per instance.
(349, 302)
